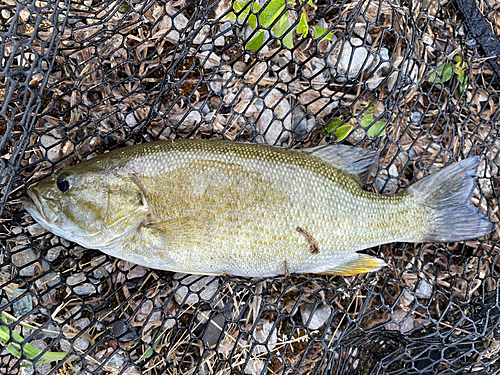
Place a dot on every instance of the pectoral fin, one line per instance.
(359, 263)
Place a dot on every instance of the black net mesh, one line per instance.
(416, 80)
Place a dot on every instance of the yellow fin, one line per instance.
(360, 263)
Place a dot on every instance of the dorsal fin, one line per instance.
(358, 162)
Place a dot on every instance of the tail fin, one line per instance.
(448, 193)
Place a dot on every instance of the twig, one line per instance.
(310, 238)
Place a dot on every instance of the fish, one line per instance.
(217, 207)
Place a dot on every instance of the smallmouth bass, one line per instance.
(214, 207)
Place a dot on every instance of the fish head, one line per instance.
(86, 205)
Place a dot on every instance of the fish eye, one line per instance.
(63, 183)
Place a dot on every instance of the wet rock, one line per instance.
(194, 287)
(320, 316)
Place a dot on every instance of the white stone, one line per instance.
(320, 316)
(200, 287)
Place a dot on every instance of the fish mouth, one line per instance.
(41, 212)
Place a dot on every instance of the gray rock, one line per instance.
(220, 41)
(201, 36)
(117, 360)
(315, 68)
(225, 28)
(216, 86)
(285, 75)
(274, 130)
(486, 187)
(352, 57)
(214, 330)
(393, 171)
(35, 230)
(416, 117)
(84, 289)
(319, 318)
(53, 253)
(22, 258)
(76, 278)
(360, 30)
(284, 59)
(404, 323)
(384, 184)
(424, 290)
(203, 288)
(210, 59)
(260, 70)
(356, 136)
(25, 303)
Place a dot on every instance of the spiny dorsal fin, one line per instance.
(359, 263)
(358, 162)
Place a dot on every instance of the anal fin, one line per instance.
(359, 263)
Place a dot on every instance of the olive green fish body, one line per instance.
(214, 207)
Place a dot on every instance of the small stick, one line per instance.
(310, 239)
(287, 269)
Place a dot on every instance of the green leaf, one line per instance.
(230, 16)
(29, 350)
(333, 125)
(442, 74)
(247, 13)
(281, 26)
(342, 132)
(303, 27)
(256, 42)
(271, 12)
(377, 129)
(366, 120)
(319, 32)
(311, 4)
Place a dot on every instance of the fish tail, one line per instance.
(446, 195)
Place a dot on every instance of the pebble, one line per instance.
(486, 187)
(214, 329)
(53, 253)
(201, 35)
(360, 30)
(356, 136)
(351, 57)
(259, 70)
(416, 117)
(116, 360)
(284, 59)
(278, 108)
(22, 306)
(424, 290)
(404, 323)
(53, 153)
(196, 284)
(84, 289)
(35, 230)
(76, 278)
(220, 41)
(216, 84)
(21, 258)
(124, 331)
(320, 316)
(393, 171)
(209, 59)
(316, 67)
(226, 29)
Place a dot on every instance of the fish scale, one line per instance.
(217, 207)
